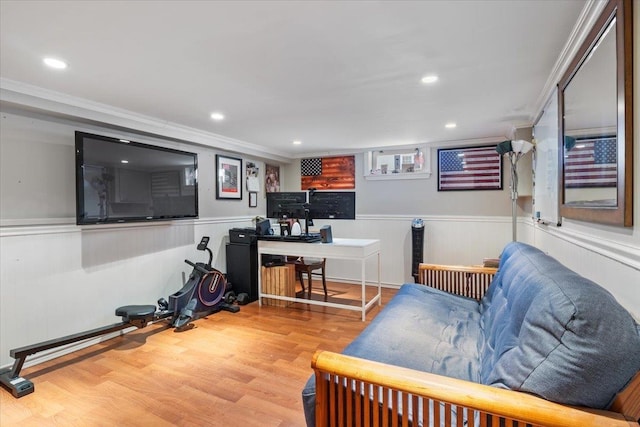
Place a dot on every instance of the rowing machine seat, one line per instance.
(138, 315)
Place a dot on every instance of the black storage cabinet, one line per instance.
(242, 265)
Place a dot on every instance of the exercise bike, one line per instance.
(204, 292)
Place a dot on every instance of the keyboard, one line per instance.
(305, 238)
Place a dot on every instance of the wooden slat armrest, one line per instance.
(468, 281)
(488, 400)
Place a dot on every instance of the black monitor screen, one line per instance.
(333, 205)
(119, 181)
(263, 227)
(285, 204)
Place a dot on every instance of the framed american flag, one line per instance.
(591, 162)
(328, 173)
(469, 168)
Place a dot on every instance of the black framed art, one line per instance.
(469, 168)
(228, 178)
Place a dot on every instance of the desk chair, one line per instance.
(308, 267)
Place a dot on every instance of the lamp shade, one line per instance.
(503, 147)
(521, 146)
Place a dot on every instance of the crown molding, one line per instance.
(33, 98)
(588, 16)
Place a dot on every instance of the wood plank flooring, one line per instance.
(243, 369)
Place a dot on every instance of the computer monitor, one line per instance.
(263, 227)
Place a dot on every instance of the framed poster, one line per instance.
(228, 178)
(251, 174)
(272, 179)
(469, 168)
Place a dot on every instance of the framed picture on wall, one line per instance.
(228, 178)
(272, 179)
(469, 168)
(253, 199)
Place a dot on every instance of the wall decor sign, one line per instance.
(469, 168)
(272, 179)
(228, 178)
(328, 173)
(253, 199)
(251, 174)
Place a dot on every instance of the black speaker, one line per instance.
(325, 234)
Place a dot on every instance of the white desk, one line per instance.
(353, 249)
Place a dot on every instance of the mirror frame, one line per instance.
(622, 214)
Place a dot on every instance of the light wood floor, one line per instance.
(243, 369)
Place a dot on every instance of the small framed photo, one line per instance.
(253, 199)
(228, 178)
(469, 168)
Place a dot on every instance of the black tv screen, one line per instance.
(283, 203)
(119, 181)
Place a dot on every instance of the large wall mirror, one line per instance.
(596, 123)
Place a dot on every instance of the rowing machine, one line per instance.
(202, 294)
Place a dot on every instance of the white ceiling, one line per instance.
(337, 75)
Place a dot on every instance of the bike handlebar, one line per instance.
(197, 267)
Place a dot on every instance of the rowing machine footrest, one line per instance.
(138, 315)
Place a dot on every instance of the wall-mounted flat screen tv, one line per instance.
(119, 181)
(285, 204)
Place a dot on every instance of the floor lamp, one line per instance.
(514, 150)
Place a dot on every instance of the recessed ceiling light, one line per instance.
(430, 78)
(450, 125)
(124, 161)
(297, 142)
(126, 141)
(55, 63)
(217, 116)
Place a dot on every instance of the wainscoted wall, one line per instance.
(611, 259)
(58, 280)
(448, 240)
(72, 278)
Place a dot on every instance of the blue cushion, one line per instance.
(425, 329)
(420, 328)
(540, 329)
(553, 333)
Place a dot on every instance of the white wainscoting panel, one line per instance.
(447, 240)
(614, 265)
(60, 280)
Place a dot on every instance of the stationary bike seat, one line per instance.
(136, 312)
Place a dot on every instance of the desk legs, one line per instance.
(363, 282)
(363, 307)
(259, 279)
(379, 282)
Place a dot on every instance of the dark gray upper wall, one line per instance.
(37, 179)
(37, 171)
(421, 196)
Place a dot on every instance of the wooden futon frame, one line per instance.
(346, 387)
